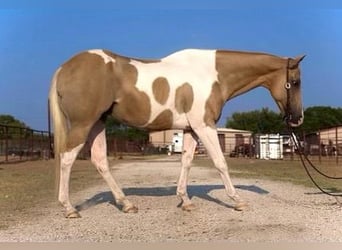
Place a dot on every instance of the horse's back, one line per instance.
(152, 94)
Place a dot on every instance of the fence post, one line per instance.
(51, 145)
(21, 147)
(320, 147)
(304, 142)
(115, 147)
(6, 144)
(336, 143)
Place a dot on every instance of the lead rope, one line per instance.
(301, 153)
(304, 158)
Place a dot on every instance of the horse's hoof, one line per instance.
(241, 206)
(130, 209)
(188, 207)
(73, 215)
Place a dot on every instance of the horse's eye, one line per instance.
(294, 82)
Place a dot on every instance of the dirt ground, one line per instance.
(278, 212)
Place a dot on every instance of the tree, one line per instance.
(11, 121)
(319, 117)
(266, 121)
(115, 128)
(258, 121)
(15, 127)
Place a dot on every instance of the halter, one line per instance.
(302, 156)
(288, 85)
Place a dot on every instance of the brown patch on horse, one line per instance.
(213, 105)
(84, 93)
(184, 98)
(88, 88)
(161, 90)
(238, 71)
(132, 108)
(162, 122)
(130, 105)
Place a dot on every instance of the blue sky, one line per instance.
(35, 39)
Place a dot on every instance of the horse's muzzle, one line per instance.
(294, 121)
(297, 123)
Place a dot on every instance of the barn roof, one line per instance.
(232, 130)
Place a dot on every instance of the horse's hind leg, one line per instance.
(67, 160)
(97, 139)
(77, 136)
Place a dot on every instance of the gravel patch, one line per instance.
(278, 212)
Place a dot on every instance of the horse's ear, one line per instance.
(295, 61)
(298, 59)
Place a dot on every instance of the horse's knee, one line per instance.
(221, 166)
(101, 164)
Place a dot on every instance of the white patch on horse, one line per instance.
(99, 52)
(69, 156)
(67, 159)
(196, 67)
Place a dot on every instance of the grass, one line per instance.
(25, 186)
(281, 170)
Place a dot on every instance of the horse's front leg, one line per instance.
(209, 138)
(189, 146)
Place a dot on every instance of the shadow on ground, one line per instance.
(201, 191)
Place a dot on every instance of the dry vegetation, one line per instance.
(282, 170)
(24, 185)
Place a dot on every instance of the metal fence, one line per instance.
(323, 146)
(22, 144)
(118, 146)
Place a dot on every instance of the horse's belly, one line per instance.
(180, 122)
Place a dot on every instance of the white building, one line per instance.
(269, 146)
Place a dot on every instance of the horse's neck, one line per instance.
(239, 72)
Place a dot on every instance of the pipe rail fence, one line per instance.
(324, 146)
(23, 144)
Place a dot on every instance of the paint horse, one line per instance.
(185, 90)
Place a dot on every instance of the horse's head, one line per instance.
(286, 90)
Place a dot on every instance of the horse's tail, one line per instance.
(59, 126)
